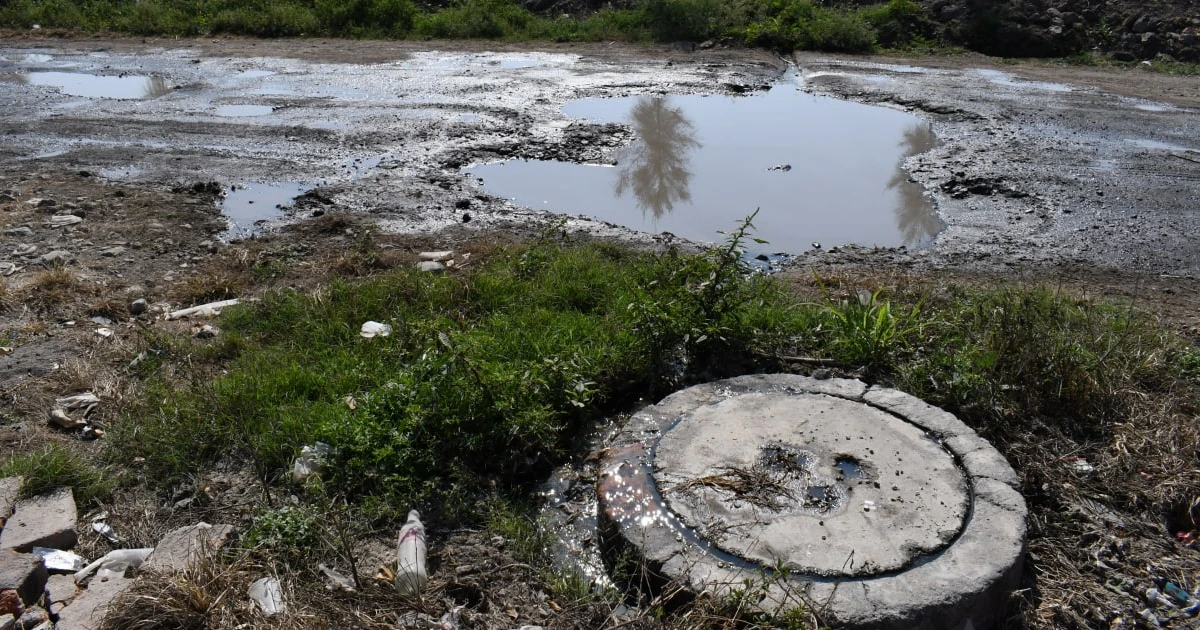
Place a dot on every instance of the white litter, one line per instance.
(375, 329)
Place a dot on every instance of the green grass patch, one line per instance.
(488, 377)
(53, 467)
(492, 374)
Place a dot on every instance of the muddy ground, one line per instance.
(1076, 177)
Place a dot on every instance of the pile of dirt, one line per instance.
(1042, 28)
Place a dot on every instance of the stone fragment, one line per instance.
(437, 256)
(431, 266)
(138, 306)
(10, 489)
(60, 589)
(87, 611)
(43, 521)
(7, 622)
(180, 548)
(112, 252)
(56, 257)
(18, 231)
(24, 574)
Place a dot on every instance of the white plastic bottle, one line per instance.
(411, 576)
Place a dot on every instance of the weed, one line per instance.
(866, 330)
(49, 290)
(216, 283)
(287, 532)
(53, 467)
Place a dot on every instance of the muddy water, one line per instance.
(250, 203)
(123, 87)
(818, 170)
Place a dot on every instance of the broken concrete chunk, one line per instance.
(24, 574)
(87, 610)
(437, 256)
(181, 548)
(431, 266)
(10, 489)
(60, 589)
(43, 521)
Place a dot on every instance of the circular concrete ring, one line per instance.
(867, 505)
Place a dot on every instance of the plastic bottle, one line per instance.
(410, 556)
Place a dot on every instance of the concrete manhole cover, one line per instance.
(866, 504)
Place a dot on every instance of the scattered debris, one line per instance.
(104, 332)
(335, 581)
(431, 266)
(310, 462)
(372, 329)
(411, 575)
(105, 530)
(437, 256)
(116, 561)
(206, 332)
(782, 168)
(212, 309)
(77, 401)
(60, 419)
(57, 560)
(267, 593)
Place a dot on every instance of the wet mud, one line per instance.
(1021, 169)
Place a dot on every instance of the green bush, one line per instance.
(476, 19)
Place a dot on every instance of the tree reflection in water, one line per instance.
(915, 216)
(656, 168)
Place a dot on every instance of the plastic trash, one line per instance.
(77, 401)
(411, 576)
(335, 581)
(58, 560)
(106, 531)
(60, 419)
(267, 593)
(374, 329)
(310, 462)
(116, 561)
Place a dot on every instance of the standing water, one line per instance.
(819, 170)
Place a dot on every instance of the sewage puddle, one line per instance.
(252, 202)
(243, 111)
(127, 87)
(819, 170)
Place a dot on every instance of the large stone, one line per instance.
(43, 521)
(10, 489)
(180, 548)
(87, 611)
(24, 573)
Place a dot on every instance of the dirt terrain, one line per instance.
(1082, 178)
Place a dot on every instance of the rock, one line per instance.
(23, 574)
(43, 521)
(437, 256)
(7, 622)
(1145, 24)
(86, 612)
(24, 250)
(180, 548)
(57, 257)
(63, 220)
(60, 589)
(33, 618)
(112, 252)
(138, 306)
(18, 231)
(10, 488)
(431, 266)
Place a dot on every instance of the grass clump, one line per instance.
(53, 467)
(487, 377)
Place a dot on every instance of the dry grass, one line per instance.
(50, 290)
(214, 283)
